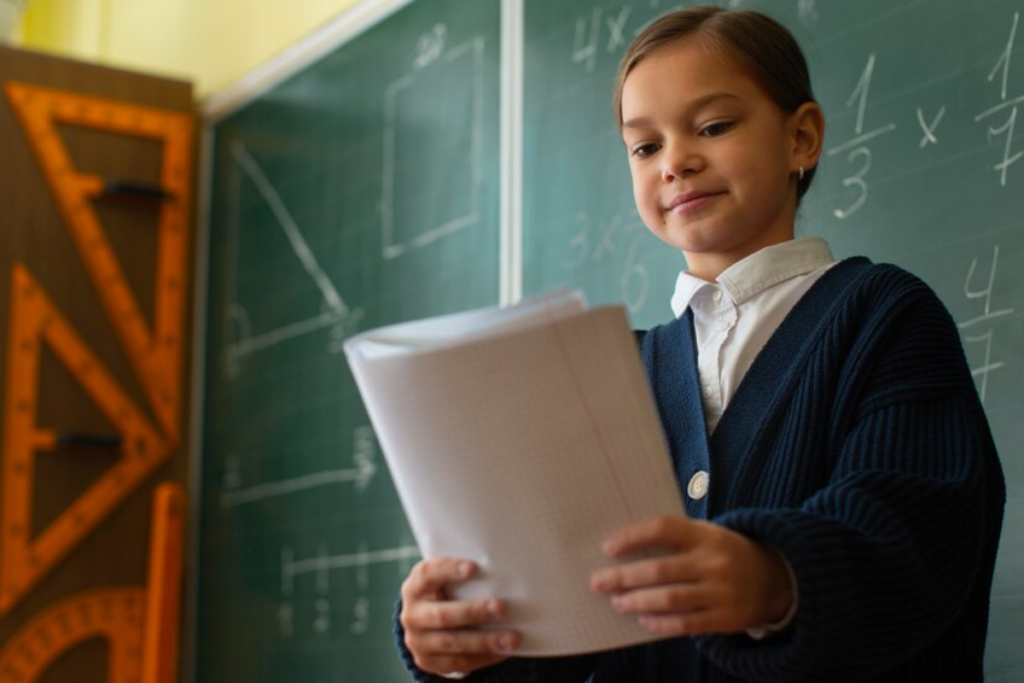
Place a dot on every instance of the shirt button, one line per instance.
(717, 296)
(706, 391)
(698, 486)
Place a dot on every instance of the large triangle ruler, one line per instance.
(34, 322)
(139, 623)
(156, 354)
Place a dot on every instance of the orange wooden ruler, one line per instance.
(140, 624)
(156, 355)
(35, 321)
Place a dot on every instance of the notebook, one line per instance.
(520, 438)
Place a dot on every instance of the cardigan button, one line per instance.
(698, 486)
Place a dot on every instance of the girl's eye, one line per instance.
(644, 151)
(715, 129)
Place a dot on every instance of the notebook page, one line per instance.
(523, 452)
(420, 335)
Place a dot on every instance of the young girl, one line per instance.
(843, 493)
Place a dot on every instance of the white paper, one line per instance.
(463, 327)
(522, 449)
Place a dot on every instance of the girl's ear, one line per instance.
(808, 135)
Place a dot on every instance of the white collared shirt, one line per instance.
(735, 317)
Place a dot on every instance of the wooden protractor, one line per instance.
(140, 624)
(156, 355)
(34, 321)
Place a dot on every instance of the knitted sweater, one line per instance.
(857, 446)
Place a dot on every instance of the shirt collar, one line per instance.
(759, 271)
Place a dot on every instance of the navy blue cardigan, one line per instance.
(856, 445)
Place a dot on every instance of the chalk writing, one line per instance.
(1008, 127)
(335, 315)
(286, 610)
(404, 230)
(929, 129)
(584, 244)
(594, 243)
(584, 49)
(286, 619)
(808, 12)
(320, 566)
(636, 280)
(430, 46)
(361, 616)
(860, 153)
(591, 28)
(322, 606)
(984, 321)
(616, 40)
(364, 455)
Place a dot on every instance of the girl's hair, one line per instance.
(764, 47)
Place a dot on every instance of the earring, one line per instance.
(801, 174)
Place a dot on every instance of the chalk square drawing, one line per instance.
(433, 148)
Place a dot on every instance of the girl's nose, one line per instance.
(679, 162)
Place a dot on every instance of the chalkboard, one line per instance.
(359, 192)
(368, 189)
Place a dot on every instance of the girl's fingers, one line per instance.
(441, 652)
(440, 632)
(450, 614)
(677, 599)
(655, 572)
(434, 644)
(429, 577)
(665, 531)
(692, 623)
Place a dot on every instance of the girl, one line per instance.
(843, 493)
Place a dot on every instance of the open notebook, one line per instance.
(521, 438)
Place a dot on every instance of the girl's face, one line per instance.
(713, 158)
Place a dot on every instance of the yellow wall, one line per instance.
(209, 42)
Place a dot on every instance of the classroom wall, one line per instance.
(209, 43)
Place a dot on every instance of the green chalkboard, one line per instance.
(367, 189)
(921, 169)
(359, 192)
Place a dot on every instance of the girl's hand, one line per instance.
(440, 633)
(715, 581)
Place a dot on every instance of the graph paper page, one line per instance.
(522, 451)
